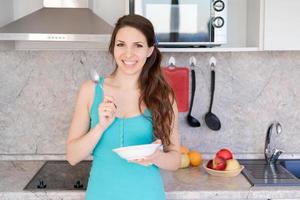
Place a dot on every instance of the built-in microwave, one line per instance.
(185, 23)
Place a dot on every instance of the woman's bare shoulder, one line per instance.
(87, 90)
(88, 85)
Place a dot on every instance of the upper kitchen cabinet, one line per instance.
(282, 25)
(6, 16)
(6, 12)
(22, 8)
(109, 10)
(14, 9)
(244, 25)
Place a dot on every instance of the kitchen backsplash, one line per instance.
(38, 91)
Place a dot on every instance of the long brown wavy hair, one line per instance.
(155, 92)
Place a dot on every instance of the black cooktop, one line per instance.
(60, 175)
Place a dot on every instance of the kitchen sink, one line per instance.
(282, 173)
(293, 166)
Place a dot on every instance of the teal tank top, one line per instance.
(113, 178)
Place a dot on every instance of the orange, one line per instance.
(184, 149)
(195, 158)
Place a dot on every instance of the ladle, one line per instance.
(211, 120)
(192, 121)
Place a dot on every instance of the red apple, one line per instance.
(219, 163)
(209, 164)
(224, 153)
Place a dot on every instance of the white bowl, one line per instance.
(136, 151)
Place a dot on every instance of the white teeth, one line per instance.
(129, 62)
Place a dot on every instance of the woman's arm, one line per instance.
(81, 141)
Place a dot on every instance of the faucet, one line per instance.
(271, 153)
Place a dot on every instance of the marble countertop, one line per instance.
(192, 183)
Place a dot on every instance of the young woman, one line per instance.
(132, 106)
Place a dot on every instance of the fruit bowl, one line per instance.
(223, 173)
(136, 151)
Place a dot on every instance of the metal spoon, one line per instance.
(211, 119)
(94, 75)
(192, 121)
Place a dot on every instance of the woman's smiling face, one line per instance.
(131, 50)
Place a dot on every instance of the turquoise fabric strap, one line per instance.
(101, 81)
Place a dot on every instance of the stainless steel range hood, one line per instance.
(59, 20)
